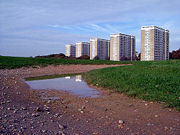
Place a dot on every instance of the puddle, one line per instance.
(50, 98)
(73, 84)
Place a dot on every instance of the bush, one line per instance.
(86, 57)
(96, 58)
(174, 54)
(61, 55)
(107, 58)
(125, 58)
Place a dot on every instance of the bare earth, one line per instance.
(23, 112)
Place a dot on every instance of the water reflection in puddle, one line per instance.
(50, 98)
(73, 84)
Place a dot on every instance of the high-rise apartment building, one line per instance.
(122, 47)
(70, 50)
(82, 48)
(99, 48)
(154, 43)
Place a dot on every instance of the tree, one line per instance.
(107, 58)
(138, 58)
(96, 58)
(61, 55)
(174, 54)
(86, 57)
(124, 58)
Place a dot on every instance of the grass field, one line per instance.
(18, 62)
(155, 81)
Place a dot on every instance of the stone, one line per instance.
(15, 111)
(60, 133)
(56, 115)
(120, 126)
(170, 110)
(46, 108)
(18, 93)
(49, 101)
(15, 121)
(24, 120)
(150, 124)
(105, 109)
(83, 107)
(44, 131)
(165, 128)
(81, 111)
(8, 101)
(61, 126)
(86, 101)
(121, 121)
(38, 109)
(35, 114)
(23, 108)
(3, 102)
(23, 127)
(130, 105)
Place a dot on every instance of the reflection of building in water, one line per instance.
(78, 78)
(67, 77)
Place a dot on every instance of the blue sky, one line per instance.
(40, 27)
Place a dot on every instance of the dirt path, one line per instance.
(23, 112)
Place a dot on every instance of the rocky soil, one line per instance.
(23, 112)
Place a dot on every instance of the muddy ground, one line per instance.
(23, 112)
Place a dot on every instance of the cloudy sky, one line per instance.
(40, 27)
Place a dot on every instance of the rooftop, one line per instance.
(154, 27)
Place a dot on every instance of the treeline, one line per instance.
(62, 56)
(174, 54)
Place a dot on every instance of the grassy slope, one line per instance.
(156, 81)
(18, 62)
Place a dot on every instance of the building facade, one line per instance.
(99, 48)
(154, 43)
(82, 48)
(122, 47)
(70, 50)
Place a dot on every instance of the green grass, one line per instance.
(7, 62)
(154, 81)
(44, 77)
